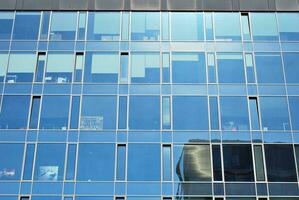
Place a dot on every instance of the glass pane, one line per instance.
(40, 67)
(192, 163)
(238, 163)
(211, 68)
(144, 113)
(145, 25)
(125, 26)
(190, 113)
(188, 68)
(60, 67)
(63, 26)
(43, 35)
(121, 162)
(269, 68)
(101, 67)
(124, 67)
(193, 30)
(122, 113)
(79, 67)
(167, 163)
(21, 67)
(264, 26)
(234, 113)
(209, 26)
(34, 115)
(270, 106)
(81, 26)
(49, 164)
(214, 116)
(166, 115)
(6, 21)
(99, 117)
(280, 163)
(55, 112)
(75, 112)
(3, 65)
(259, 163)
(71, 162)
(294, 111)
(144, 162)
(245, 26)
(96, 162)
(12, 105)
(26, 26)
(165, 68)
(288, 29)
(230, 68)
(28, 166)
(227, 26)
(217, 164)
(250, 71)
(291, 67)
(11, 161)
(145, 67)
(165, 25)
(103, 26)
(254, 114)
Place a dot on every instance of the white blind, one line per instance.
(105, 63)
(145, 21)
(22, 62)
(142, 61)
(106, 23)
(62, 62)
(63, 21)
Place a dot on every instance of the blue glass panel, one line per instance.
(63, 26)
(49, 164)
(122, 113)
(190, 113)
(227, 26)
(214, 116)
(44, 26)
(288, 29)
(6, 21)
(26, 26)
(71, 162)
(34, 115)
(144, 162)
(28, 166)
(294, 108)
(291, 67)
(96, 162)
(264, 26)
(144, 112)
(75, 112)
(121, 162)
(145, 26)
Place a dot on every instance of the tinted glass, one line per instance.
(294, 111)
(288, 29)
(167, 163)
(217, 164)
(291, 67)
(214, 113)
(26, 26)
(121, 162)
(122, 112)
(6, 21)
(227, 26)
(259, 163)
(28, 166)
(75, 112)
(145, 26)
(71, 162)
(34, 115)
(264, 26)
(63, 26)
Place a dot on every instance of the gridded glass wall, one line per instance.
(149, 105)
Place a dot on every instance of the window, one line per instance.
(214, 116)
(26, 26)
(49, 164)
(245, 26)
(269, 68)
(167, 172)
(264, 27)
(100, 117)
(101, 67)
(259, 163)
(217, 164)
(125, 26)
(230, 68)
(145, 26)
(165, 25)
(238, 163)
(145, 67)
(144, 113)
(28, 166)
(209, 26)
(34, 115)
(24, 198)
(44, 32)
(79, 66)
(288, 29)
(40, 67)
(81, 26)
(60, 67)
(144, 162)
(294, 107)
(21, 67)
(227, 26)
(280, 163)
(291, 67)
(190, 113)
(165, 68)
(234, 113)
(166, 115)
(6, 21)
(103, 26)
(12, 105)
(269, 107)
(192, 163)
(75, 112)
(254, 113)
(122, 113)
(55, 112)
(188, 68)
(3, 65)
(121, 162)
(250, 71)
(212, 77)
(124, 67)
(180, 30)
(63, 26)
(11, 161)
(96, 162)
(71, 162)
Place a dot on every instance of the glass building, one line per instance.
(149, 100)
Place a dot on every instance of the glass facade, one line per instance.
(149, 105)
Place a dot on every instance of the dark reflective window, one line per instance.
(144, 162)
(49, 164)
(28, 166)
(96, 162)
(55, 112)
(63, 26)
(11, 161)
(192, 163)
(238, 163)
(291, 67)
(12, 105)
(280, 163)
(217, 164)
(6, 21)
(26, 26)
(144, 112)
(294, 111)
(34, 115)
(259, 163)
(288, 29)
(227, 26)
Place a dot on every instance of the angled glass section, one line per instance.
(291, 67)
(40, 67)
(63, 26)
(21, 67)
(254, 113)
(96, 162)
(145, 67)
(3, 65)
(60, 67)
(26, 26)
(190, 113)
(103, 26)
(288, 29)
(101, 67)
(227, 26)
(191, 31)
(188, 67)
(264, 27)
(246, 32)
(44, 29)
(99, 117)
(6, 22)
(34, 114)
(230, 68)
(121, 162)
(145, 26)
(28, 165)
